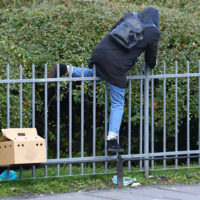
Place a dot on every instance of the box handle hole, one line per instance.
(21, 134)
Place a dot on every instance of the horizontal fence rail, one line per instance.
(144, 157)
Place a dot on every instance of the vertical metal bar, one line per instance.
(33, 96)
(188, 113)
(8, 97)
(141, 116)
(70, 118)
(129, 121)
(146, 121)
(46, 116)
(8, 108)
(33, 110)
(94, 118)
(33, 171)
(152, 117)
(21, 173)
(21, 93)
(58, 118)
(106, 125)
(199, 111)
(82, 117)
(8, 173)
(176, 113)
(164, 114)
(21, 108)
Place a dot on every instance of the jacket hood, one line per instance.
(150, 15)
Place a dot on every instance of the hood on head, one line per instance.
(150, 15)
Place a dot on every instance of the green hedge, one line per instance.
(39, 32)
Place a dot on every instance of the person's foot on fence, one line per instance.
(53, 72)
(113, 146)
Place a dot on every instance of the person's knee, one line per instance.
(118, 106)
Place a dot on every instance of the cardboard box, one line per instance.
(22, 146)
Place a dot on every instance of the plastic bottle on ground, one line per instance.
(126, 180)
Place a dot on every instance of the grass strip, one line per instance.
(92, 182)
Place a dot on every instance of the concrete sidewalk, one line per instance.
(175, 192)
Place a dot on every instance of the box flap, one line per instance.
(19, 134)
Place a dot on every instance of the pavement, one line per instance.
(172, 192)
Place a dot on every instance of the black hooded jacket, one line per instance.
(112, 62)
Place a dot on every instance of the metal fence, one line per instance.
(147, 155)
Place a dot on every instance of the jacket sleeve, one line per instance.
(151, 53)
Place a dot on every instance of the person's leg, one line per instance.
(77, 71)
(117, 110)
(64, 70)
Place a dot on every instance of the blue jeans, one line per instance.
(117, 102)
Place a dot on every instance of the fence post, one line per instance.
(119, 170)
(146, 120)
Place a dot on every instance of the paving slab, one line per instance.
(164, 192)
(195, 189)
